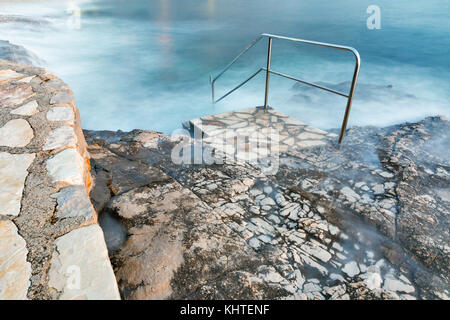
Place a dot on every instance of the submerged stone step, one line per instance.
(247, 131)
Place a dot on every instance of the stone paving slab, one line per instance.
(46, 217)
(15, 271)
(86, 271)
(13, 171)
(248, 127)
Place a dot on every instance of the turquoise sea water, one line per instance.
(145, 64)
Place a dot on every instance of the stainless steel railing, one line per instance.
(268, 70)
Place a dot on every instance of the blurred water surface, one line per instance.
(146, 63)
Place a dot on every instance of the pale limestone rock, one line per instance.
(27, 110)
(15, 95)
(289, 141)
(351, 269)
(16, 133)
(61, 114)
(148, 139)
(316, 251)
(378, 189)
(272, 276)
(338, 277)
(373, 280)
(290, 209)
(310, 143)
(311, 287)
(333, 230)
(62, 97)
(267, 202)
(254, 243)
(80, 267)
(13, 171)
(315, 130)
(309, 136)
(15, 271)
(351, 195)
(74, 202)
(26, 80)
(9, 75)
(386, 174)
(265, 238)
(392, 284)
(62, 137)
(293, 122)
(66, 167)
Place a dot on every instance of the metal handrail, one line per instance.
(349, 96)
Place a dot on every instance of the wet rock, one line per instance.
(373, 281)
(332, 223)
(397, 285)
(351, 269)
(16, 53)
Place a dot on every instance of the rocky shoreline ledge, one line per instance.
(368, 220)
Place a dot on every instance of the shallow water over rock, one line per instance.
(330, 224)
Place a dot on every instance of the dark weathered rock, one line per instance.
(368, 220)
(18, 54)
(420, 153)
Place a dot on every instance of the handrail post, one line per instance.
(350, 99)
(211, 80)
(270, 37)
(269, 55)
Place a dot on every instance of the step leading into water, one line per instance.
(241, 128)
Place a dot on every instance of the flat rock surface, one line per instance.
(44, 186)
(15, 95)
(13, 171)
(27, 109)
(66, 167)
(8, 75)
(64, 114)
(256, 125)
(15, 271)
(74, 202)
(88, 275)
(330, 223)
(16, 133)
(61, 137)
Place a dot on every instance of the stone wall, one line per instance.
(51, 246)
